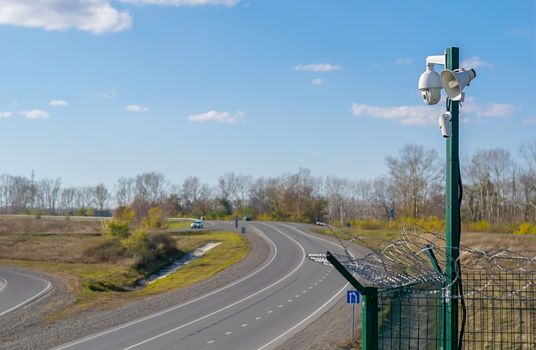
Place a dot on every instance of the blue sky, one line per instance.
(98, 89)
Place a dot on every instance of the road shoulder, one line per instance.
(332, 329)
(36, 334)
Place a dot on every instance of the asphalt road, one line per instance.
(18, 289)
(259, 311)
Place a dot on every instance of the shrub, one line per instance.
(135, 243)
(482, 226)
(526, 228)
(264, 217)
(126, 214)
(109, 250)
(155, 219)
(479, 226)
(160, 250)
(116, 228)
(371, 224)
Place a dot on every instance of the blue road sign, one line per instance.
(352, 297)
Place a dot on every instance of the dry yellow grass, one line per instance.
(98, 284)
(30, 224)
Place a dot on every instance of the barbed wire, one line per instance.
(406, 262)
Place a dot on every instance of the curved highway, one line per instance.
(18, 289)
(259, 311)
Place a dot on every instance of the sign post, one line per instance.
(352, 297)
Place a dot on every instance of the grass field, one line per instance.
(30, 224)
(478, 240)
(101, 284)
(174, 225)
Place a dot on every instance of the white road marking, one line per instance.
(304, 291)
(244, 325)
(3, 284)
(305, 319)
(316, 284)
(233, 304)
(279, 306)
(297, 296)
(257, 318)
(269, 311)
(228, 333)
(30, 299)
(210, 341)
(128, 324)
(317, 310)
(310, 287)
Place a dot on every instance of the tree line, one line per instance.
(499, 187)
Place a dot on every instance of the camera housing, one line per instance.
(431, 96)
(430, 85)
(445, 125)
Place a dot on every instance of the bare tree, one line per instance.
(101, 196)
(67, 202)
(151, 187)
(412, 175)
(124, 191)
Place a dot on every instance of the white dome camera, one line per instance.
(430, 85)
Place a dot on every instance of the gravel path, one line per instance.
(25, 328)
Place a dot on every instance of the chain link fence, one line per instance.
(405, 295)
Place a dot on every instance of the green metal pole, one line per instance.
(452, 212)
(369, 324)
(369, 310)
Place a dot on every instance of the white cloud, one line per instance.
(5, 114)
(475, 62)
(529, 121)
(215, 116)
(96, 16)
(498, 110)
(403, 61)
(34, 114)
(413, 115)
(317, 67)
(59, 103)
(427, 115)
(318, 81)
(191, 3)
(106, 94)
(136, 108)
(522, 32)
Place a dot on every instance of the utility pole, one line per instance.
(453, 220)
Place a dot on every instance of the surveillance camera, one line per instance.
(431, 96)
(430, 85)
(444, 124)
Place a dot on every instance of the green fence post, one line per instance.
(369, 311)
(369, 314)
(453, 222)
